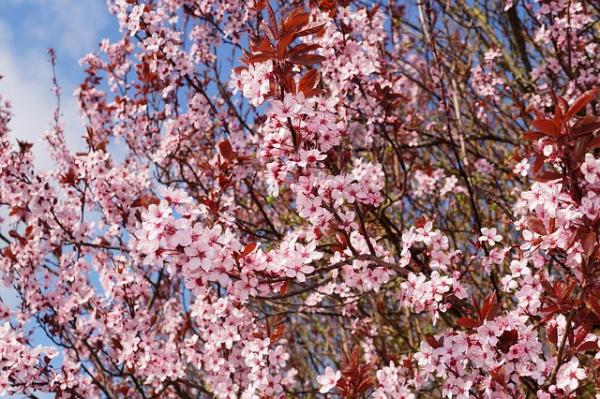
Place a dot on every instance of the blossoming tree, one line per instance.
(332, 198)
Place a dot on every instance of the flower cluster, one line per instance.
(382, 202)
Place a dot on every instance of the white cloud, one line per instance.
(26, 84)
(73, 24)
(73, 28)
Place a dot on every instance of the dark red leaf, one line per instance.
(564, 290)
(536, 225)
(433, 342)
(259, 5)
(284, 288)
(593, 143)
(144, 201)
(594, 305)
(546, 126)
(308, 81)
(537, 164)
(365, 384)
(307, 59)
(226, 150)
(69, 178)
(558, 111)
(580, 335)
(313, 92)
(18, 211)
(272, 21)
(507, 339)
(312, 28)
(588, 242)
(257, 58)
(552, 226)
(586, 125)
(467, 322)
(490, 307)
(532, 136)
(296, 20)
(587, 346)
(24, 146)
(581, 102)
(302, 48)
(9, 254)
(289, 83)
(248, 249)
(284, 43)
(212, 205)
(277, 333)
(547, 175)
(373, 11)
(264, 46)
(552, 334)
(498, 376)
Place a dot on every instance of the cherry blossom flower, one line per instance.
(590, 168)
(329, 379)
(522, 167)
(489, 236)
(569, 375)
(234, 231)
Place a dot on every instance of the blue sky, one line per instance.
(27, 29)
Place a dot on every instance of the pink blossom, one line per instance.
(590, 168)
(489, 236)
(329, 379)
(569, 375)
